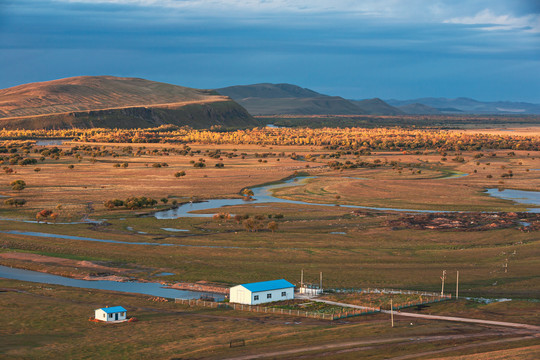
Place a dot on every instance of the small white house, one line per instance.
(262, 292)
(115, 313)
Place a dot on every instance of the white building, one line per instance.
(115, 313)
(262, 292)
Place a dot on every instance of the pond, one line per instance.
(519, 196)
(50, 142)
(146, 288)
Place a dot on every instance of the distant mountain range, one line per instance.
(464, 106)
(287, 99)
(114, 102)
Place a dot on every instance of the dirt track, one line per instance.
(362, 345)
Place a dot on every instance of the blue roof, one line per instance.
(114, 309)
(268, 285)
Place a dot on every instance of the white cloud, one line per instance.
(373, 8)
(487, 20)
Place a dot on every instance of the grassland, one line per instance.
(47, 321)
(352, 249)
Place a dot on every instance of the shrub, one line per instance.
(180, 174)
(18, 185)
(111, 204)
(15, 202)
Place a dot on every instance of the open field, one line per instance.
(354, 248)
(47, 321)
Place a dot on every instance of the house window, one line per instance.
(283, 293)
(256, 297)
(104, 315)
(110, 315)
(268, 296)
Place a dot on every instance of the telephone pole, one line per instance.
(457, 284)
(392, 312)
(443, 277)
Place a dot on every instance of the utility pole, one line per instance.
(457, 284)
(320, 285)
(302, 278)
(506, 265)
(443, 277)
(392, 312)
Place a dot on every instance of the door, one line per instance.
(240, 296)
(116, 316)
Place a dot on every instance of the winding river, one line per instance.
(263, 194)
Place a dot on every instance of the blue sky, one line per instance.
(488, 50)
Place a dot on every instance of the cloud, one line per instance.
(487, 20)
(394, 9)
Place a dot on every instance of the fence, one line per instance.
(399, 291)
(272, 310)
(422, 302)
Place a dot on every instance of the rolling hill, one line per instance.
(287, 99)
(115, 102)
(419, 109)
(470, 106)
(376, 106)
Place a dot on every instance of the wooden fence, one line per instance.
(272, 310)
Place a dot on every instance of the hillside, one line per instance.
(419, 109)
(107, 101)
(377, 107)
(268, 91)
(280, 99)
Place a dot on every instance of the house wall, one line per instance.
(241, 295)
(276, 296)
(103, 316)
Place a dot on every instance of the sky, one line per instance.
(403, 49)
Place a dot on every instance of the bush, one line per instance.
(15, 202)
(18, 185)
(180, 174)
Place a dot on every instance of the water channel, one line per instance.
(146, 288)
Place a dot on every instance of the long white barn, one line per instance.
(262, 292)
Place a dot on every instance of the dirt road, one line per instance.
(363, 345)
